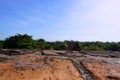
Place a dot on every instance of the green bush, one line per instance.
(20, 41)
(1, 44)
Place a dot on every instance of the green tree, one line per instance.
(59, 45)
(41, 44)
(20, 41)
(1, 44)
(49, 46)
(112, 46)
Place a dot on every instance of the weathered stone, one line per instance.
(25, 67)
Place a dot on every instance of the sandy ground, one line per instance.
(34, 67)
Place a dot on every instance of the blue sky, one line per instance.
(82, 20)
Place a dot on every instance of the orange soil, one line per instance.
(33, 67)
(102, 70)
(54, 52)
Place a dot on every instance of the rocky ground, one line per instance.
(59, 65)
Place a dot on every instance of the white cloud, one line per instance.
(93, 20)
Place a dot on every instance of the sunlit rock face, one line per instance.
(34, 67)
(59, 65)
(103, 69)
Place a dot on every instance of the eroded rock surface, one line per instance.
(34, 67)
(11, 52)
(59, 65)
(103, 70)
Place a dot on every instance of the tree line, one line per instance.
(27, 42)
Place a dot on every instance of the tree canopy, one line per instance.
(20, 41)
(1, 44)
(27, 42)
